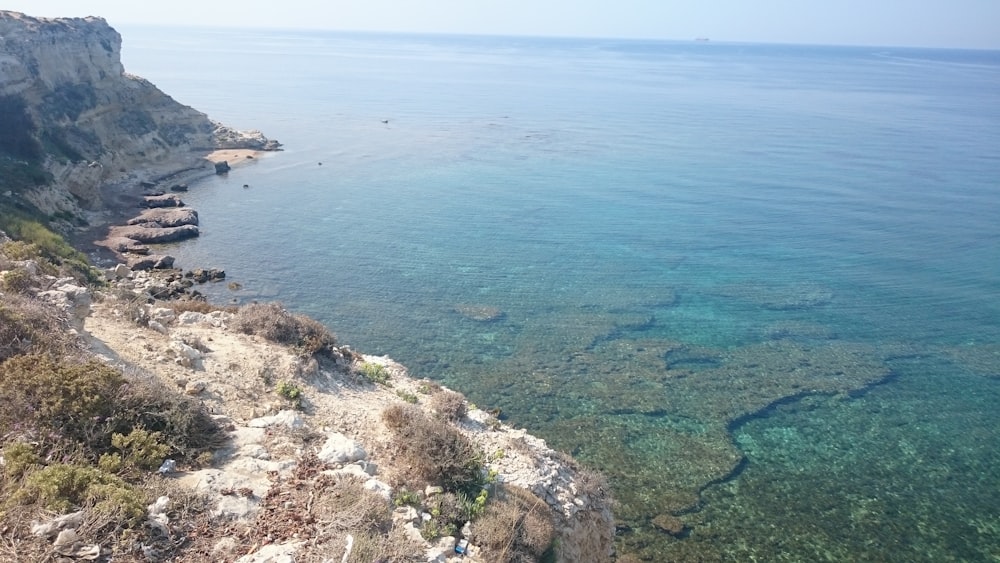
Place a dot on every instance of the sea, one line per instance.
(757, 286)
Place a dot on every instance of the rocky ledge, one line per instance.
(235, 376)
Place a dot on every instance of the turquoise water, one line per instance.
(719, 266)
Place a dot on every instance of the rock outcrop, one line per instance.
(75, 121)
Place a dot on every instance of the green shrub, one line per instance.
(408, 397)
(437, 452)
(376, 373)
(16, 281)
(428, 387)
(140, 448)
(83, 406)
(406, 497)
(64, 487)
(290, 391)
(20, 250)
(19, 458)
(60, 398)
(38, 241)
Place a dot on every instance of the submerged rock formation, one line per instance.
(74, 120)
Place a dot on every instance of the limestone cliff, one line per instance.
(72, 120)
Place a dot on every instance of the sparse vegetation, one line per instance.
(407, 396)
(290, 391)
(376, 373)
(81, 435)
(55, 256)
(428, 387)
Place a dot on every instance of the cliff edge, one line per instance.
(72, 121)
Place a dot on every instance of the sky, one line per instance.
(919, 23)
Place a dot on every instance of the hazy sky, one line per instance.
(934, 23)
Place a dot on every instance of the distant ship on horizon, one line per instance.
(701, 38)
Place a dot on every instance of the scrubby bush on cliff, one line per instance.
(86, 410)
(375, 373)
(448, 405)
(83, 436)
(516, 527)
(435, 451)
(29, 325)
(273, 322)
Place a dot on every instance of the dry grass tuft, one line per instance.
(516, 527)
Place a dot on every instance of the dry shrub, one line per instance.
(435, 451)
(449, 405)
(347, 506)
(32, 326)
(394, 546)
(516, 527)
(273, 322)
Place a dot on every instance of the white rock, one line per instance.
(412, 532)
(288, 418)
(339, 449)
(162, 314)
(122, 271)
(273, 553)
(379, 487)
(405, 513)
(352, 470)
(157, 326)
(191, 318)
(49, 528)
(187, 356)
(65, 539)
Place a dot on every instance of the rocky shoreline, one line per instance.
(159, 215)
(294, 419)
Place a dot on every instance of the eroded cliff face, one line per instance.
(68, 107)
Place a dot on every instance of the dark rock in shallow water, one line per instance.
(179, 188)
(151, 262)
(221, 167)
(164, 200)
(201, 275)
(670, 524)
